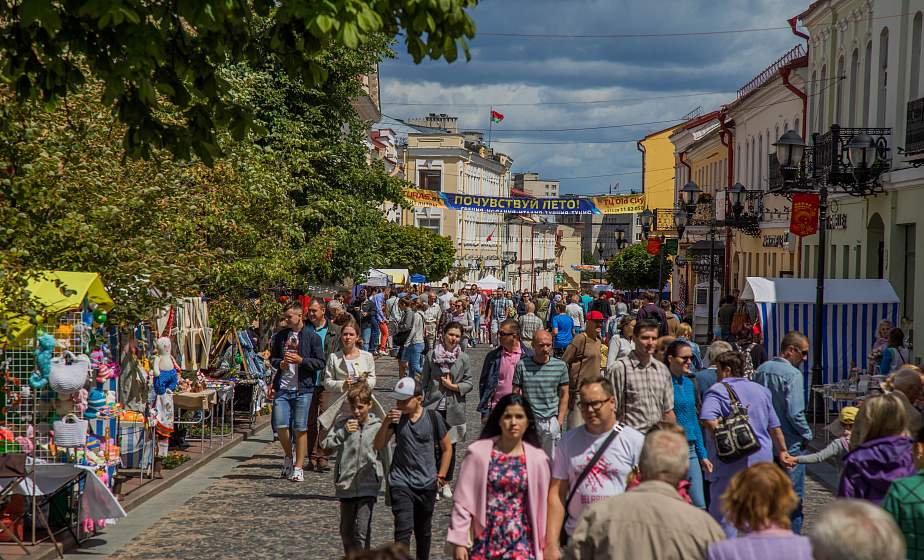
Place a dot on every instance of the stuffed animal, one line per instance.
(166, 375)
(80, 400)
(95, 401)
(43, 355)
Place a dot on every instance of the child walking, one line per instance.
(359, 471)
(839, 447)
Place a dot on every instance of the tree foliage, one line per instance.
(633, 268)
(160, 63)
(419, 250)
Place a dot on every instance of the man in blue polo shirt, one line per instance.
(787, 387)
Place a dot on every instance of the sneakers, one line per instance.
(298, 475)
(446, 492)
(287, 467)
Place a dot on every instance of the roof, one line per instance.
(693, 123)
(802, 290)
(662, 131)
(812, 7)
(771, 72)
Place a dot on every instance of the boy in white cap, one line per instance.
(419, 464)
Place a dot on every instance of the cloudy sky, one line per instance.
(535, 81)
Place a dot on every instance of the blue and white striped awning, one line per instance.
(853, 309)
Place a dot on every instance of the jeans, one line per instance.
(549, 434)
(412, 354)
(476, 333)
(695, 476)
(366, 334)
(797, 476)
(356, 523)
(413, 511)
(291, 409)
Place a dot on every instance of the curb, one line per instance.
(152, 489)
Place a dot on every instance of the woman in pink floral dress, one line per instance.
(499, 507)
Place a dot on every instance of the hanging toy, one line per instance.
(25, 442)
(95, 401)
(80, 400)
(100, 316)
(87, 318)
(166, 375)
(43, 354)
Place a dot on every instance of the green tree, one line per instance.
(161, 63)
(633, 268)
(419, 250)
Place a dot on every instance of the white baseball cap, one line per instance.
(404, 389)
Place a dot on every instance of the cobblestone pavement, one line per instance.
(252, 513)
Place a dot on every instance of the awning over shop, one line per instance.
(489, 282)
(852, 311)
(61, 291)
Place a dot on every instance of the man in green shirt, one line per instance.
(543, 380)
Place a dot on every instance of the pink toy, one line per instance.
(80, 400)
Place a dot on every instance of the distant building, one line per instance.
(531, 183)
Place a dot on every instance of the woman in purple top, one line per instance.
(758, 502)
(884, 453)
(763, 419)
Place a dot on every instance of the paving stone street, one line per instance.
(251, 513)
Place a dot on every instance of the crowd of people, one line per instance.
(606, 431)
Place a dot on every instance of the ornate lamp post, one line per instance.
(851, 159)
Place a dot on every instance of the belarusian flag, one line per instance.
(496, 117)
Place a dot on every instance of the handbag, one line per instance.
(563, 535)
(70, 431)
(69, 373)
(734, 436)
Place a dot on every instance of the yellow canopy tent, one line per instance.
(48, 290)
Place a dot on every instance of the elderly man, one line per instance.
(499, 365)
(529, 323)
(651, 521)
(856, 530)
(544, 380)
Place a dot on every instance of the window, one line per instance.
(738, 159)
(760, 163)
(846, 262)
(908, 296)
(916, 30)
(821, 123)
(856, 262)
(839, 92)
(813, 97)
(833, 268)
(796, 126)
(432, 224)
(867, 76)
(430, 179)
(753, 167)
(747, 162)
(852, 92)
(883, 77)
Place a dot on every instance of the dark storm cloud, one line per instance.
(530, 70)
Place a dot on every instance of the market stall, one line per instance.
(853, 309)
(490, 283)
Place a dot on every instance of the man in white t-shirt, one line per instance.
(446, 297)
(574, 452)
(576, 312)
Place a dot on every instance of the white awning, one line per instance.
(802, 290)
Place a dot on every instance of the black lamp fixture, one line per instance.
(681, 219)
(690, 196)
(621, 240)
(646, 217)
(737, 193)
(789, 149)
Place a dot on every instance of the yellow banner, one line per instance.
(620, 204)
(424, 198)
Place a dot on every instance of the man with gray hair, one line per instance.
(529, 323)
(708, 376)
(908, 386)
(856, 530)
(633, 525)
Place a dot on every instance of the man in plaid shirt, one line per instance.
(529, 323)
(497, 312)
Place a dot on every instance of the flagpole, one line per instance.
(490, 125)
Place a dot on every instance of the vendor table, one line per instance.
(204, 403)
(224, 391)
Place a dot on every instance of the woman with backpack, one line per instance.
(754, 354)
(718, 412)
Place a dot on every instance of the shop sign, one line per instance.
(837, 221)
(780, 241)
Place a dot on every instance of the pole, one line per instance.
(490, 125)
(660, 270)
(820, 285)
(710, 325)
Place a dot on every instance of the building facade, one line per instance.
(455, 162)
(865, 68)
(531, 183)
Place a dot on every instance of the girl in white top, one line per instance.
(345, 367)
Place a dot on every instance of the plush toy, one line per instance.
(165, 370)
(43, 355)
(106, 371)
(80, 400)
(95, 401)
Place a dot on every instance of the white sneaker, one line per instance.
(298, 475)
(287, 467)
(446, 492)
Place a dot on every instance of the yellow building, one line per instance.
(658, 168)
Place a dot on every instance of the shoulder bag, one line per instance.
(563, 535)
(734, 436)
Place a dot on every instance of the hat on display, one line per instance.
(96, 399)
(404, 389)
(594, 316)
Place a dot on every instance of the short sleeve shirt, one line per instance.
(762, 417)
(607, 478)
(414, 462)
(644, 393)
(541, 383)
(565, 326)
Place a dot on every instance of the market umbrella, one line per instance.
(418, 279)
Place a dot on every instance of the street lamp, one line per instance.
(690, 196)
(737, 198)
(849, 158)
(681, 219)
(646, 217)
(600, 260)
(621, 240)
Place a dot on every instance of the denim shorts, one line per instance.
(290, 409)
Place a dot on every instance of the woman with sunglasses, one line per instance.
(679, 356)
(500, 503)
